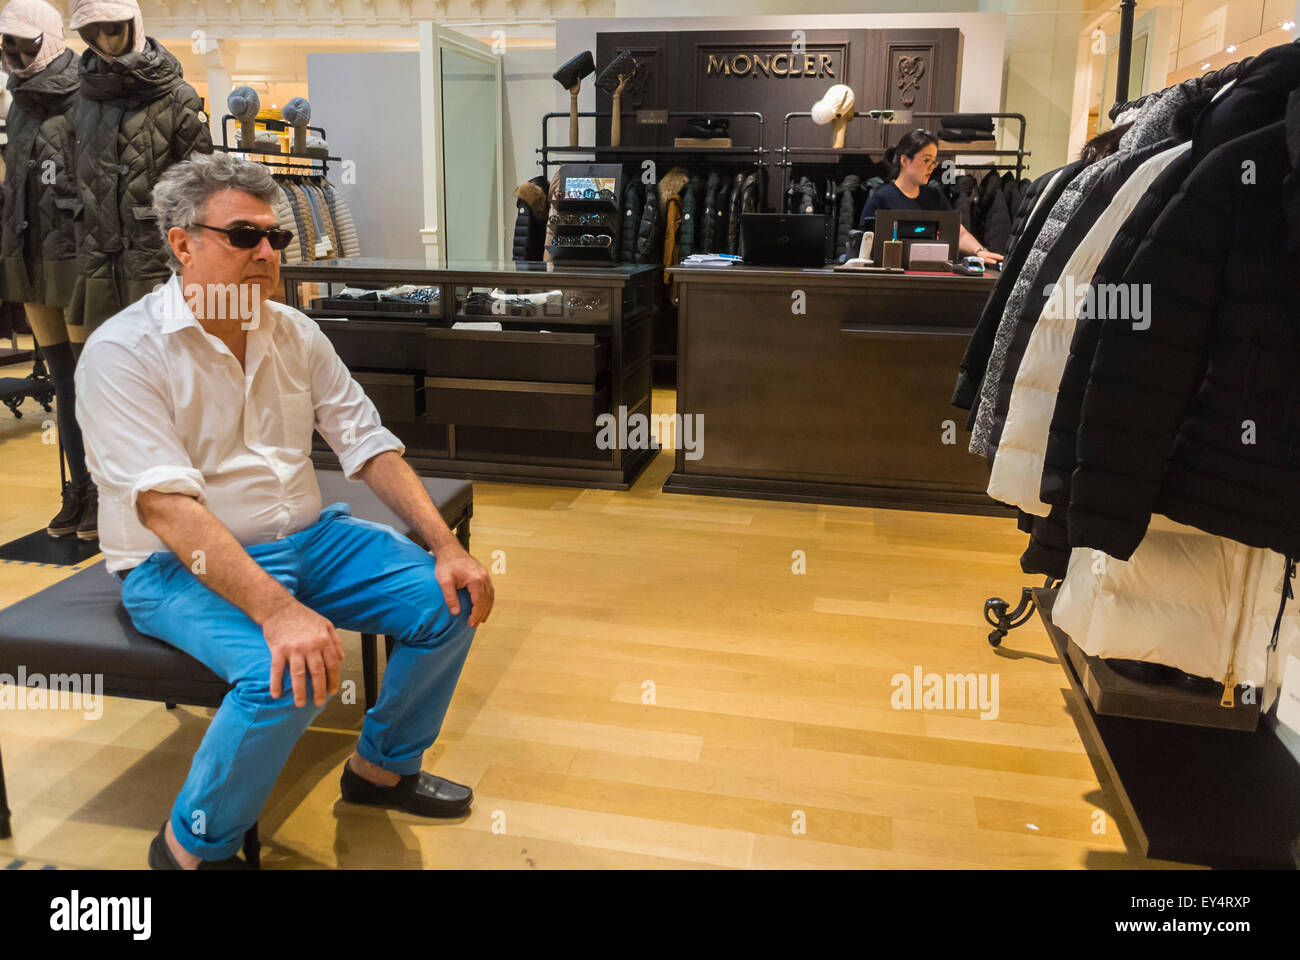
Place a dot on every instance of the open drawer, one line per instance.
(395, 395)
(516, 355)
(376, 344)
(505, 403)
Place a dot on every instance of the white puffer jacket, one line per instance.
(1018, 466)
(1187, 599)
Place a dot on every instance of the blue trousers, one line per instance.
(360, 576)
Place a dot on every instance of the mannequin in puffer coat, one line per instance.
(530, 220)
(38, 244)
(134, 117)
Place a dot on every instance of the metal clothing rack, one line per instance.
(556, 155)
(787, 151)
(315, 165)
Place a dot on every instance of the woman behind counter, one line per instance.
(916, 156)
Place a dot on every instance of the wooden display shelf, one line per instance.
(1220, 798)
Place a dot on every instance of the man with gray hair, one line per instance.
(198, 404)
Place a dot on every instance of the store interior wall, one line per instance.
(528, 95)
(378, 131)
(979, 78)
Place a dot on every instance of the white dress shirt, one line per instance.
(165, 405)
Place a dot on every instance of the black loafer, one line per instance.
(421, 793)
(160, 857)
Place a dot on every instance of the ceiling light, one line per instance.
(1232, 48)
(1205, 66)
(1288, 24)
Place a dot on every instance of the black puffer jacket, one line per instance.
(530, 220)
(997, 223)
(801, 197)
(1258, 98)
(132, 119)
(1094, 204)
(960, 195)
(38, 243)
(1029, 194)
(850, 200)
(688, 232)
(633, 207)
(748, 202)
(1198, 416)
(649, 244)
(976, 360)
(733, 212)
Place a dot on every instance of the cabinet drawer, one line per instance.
(515, 355)
(376, 345)
(395, 395)
(503, 403)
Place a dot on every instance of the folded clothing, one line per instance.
(964, 134)
(969, 121)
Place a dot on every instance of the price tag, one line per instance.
(1288, 706)
(324, 247)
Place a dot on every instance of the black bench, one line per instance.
(80, 626)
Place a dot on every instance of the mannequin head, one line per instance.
(31, 36)
(21, 51)
(109, 38)
(112, 28)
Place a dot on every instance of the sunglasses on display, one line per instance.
(246, 238)
(586, 240)
(580, 220)
(22, 45)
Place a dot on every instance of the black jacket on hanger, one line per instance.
(976, 360)
(1029, 194)
(1198, 416)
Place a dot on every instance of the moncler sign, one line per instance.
(782, 64)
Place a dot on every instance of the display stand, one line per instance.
(1219, 798)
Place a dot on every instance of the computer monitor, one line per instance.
(783, 239)
(917, 226)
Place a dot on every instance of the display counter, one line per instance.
(824, 386)
(518, 404)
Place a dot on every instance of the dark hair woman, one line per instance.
(914, 159)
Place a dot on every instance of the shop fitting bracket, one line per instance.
(819, 155)
(555, 155)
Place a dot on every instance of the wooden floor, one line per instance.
(657, 688)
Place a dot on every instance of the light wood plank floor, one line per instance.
(656, 688)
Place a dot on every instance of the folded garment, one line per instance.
(964, 134)
(973, 121)
(476, 325)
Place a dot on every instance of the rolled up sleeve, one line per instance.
(345, 416)
(130, 436)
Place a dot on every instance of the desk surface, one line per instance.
(748, 274)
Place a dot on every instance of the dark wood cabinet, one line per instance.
(520, 403)
(844, 402)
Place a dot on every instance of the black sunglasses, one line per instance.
(246, 238)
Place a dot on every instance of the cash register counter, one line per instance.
(843, 402)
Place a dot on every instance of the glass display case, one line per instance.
(487, 369)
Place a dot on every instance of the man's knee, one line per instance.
(438, 624)
(254, 689)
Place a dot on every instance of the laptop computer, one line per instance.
(783, 239)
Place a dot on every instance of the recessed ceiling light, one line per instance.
(1205, 66)
(1232, 48)
(1288, 24)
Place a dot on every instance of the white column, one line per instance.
(219, 59)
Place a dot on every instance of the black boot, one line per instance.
(88, 528)
(69, 518)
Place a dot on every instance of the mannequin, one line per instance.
(133, 118)
(37, 244)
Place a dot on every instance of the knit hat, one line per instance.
(86, 12)
(297, 112)
(243, 103)
(29, 19)
(837, 103)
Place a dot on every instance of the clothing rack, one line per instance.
(317, 165)
(554, 155)
(1020, 153)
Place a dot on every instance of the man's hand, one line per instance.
(453, 569)
(309, 644)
